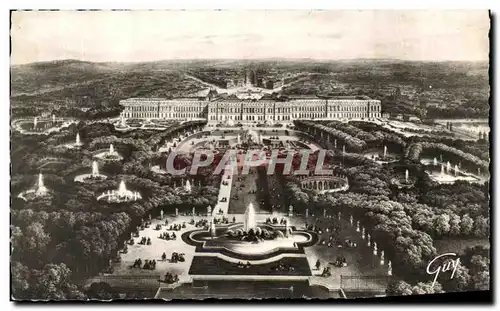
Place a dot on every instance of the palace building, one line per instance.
(252, 107)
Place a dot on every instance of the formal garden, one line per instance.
(391, 221)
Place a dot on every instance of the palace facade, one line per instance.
(245, 110)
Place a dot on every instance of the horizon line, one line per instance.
(249, 59)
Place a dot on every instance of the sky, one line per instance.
(137, 36)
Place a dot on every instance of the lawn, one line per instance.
(457, 245)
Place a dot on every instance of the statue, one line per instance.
(307, 212)
(351, 220)
(381, 257)
(290, 211)
(161, 214)
(209, 210)
(357, 226)
(389, 268)
(363, 233)
(176, 211)
(374, 248)
(368, 240)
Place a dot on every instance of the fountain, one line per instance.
(122, 122)
(239, 139)
(351, 220)
(209, 210)
(324, 213)
(448, 167)
(442, 169)
(120, 195)
(95, 169)
(343, 149)
(212, 230)
(249, 218)
(38, 191)
(77, 143)
(161, 214)
(407, 175)
(307, 212)
(35, 122)
(41, 189)
(187, 187)
(176, 211)
(193, 212)
(290, 211)
(53, 118)
(95, 175)
(122, 189)
(435, 161)
(385, 152)
(339, 215)
(110, 155)
(456, 170)
(260, 240)
(479, 171)
(287, 228)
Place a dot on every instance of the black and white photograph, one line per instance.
(180, 155)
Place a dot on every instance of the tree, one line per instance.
(442, 224)
(481, 226)
(36, 239)
(455, 225)
(398, 288)
(466, 225)
(101, 291)
(20, 276)
(426, 288)
(54, 282)
(460, 280)
(481, 280)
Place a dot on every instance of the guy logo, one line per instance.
(448, 265)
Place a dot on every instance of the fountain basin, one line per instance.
(32, 194)
(236, 248)
(89, 177)
(106, 156)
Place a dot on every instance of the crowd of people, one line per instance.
(170, 278)
(166, 236)
(274, 221)
(148, 264)
(145, 241)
